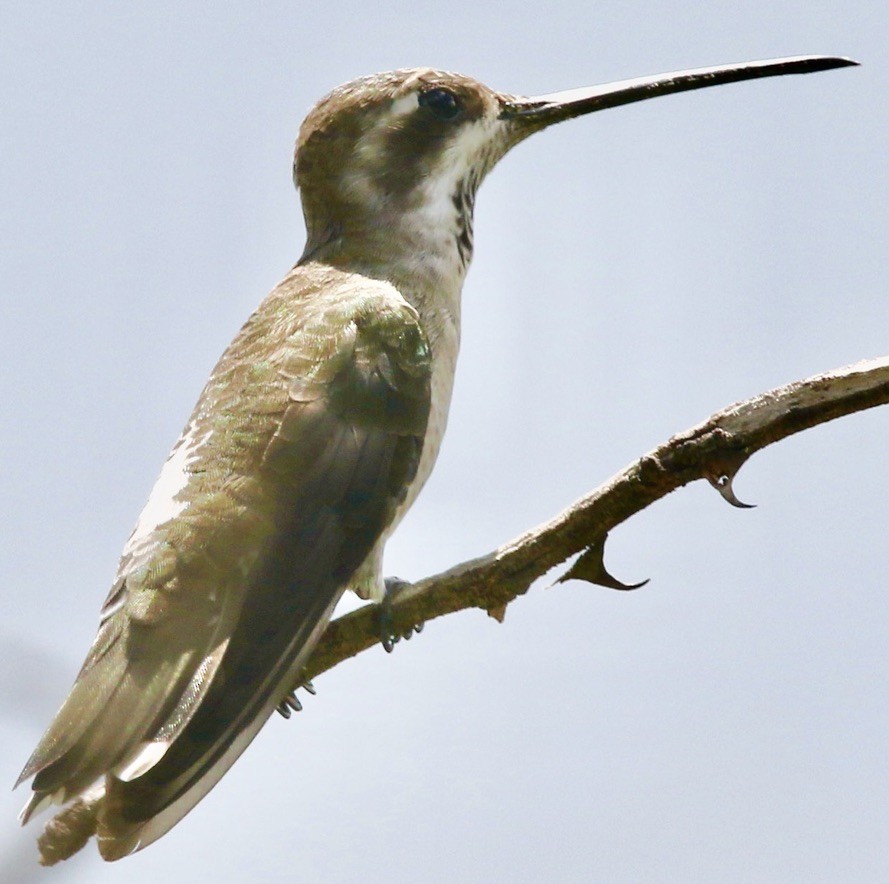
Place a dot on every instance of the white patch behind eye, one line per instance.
(407, 104)
(359, 178)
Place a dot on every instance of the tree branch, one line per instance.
(714, 450)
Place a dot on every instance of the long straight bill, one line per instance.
(543, 110)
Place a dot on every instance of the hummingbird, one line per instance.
(314, 434)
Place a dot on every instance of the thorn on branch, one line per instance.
(721, 476)
(591, 568)
(723, 484)
(720, 471)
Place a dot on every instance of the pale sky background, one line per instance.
(635, 271)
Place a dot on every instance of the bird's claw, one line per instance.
(291, 702)
(388, 636)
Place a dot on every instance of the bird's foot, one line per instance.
(291, 702)
(388, 636)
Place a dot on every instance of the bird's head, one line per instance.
(406, 150)
(408, 147)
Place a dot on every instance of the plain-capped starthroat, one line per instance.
(316, 430)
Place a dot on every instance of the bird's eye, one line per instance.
(442, 102)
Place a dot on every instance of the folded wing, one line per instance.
(299, 451)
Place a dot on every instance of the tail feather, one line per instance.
(136, 813)
(76, 714)
(112, 710)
